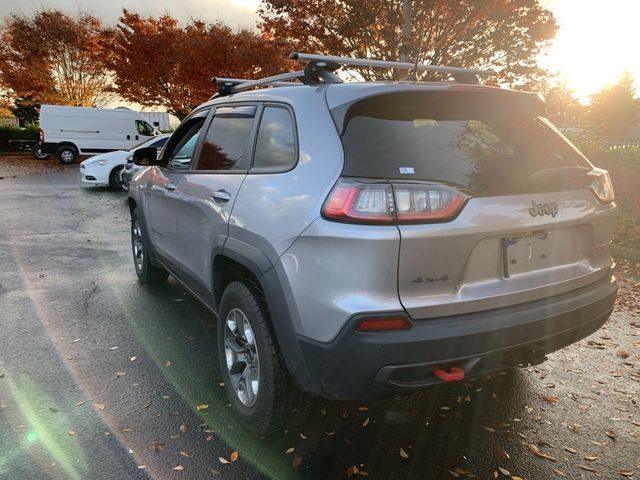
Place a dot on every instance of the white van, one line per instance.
(71, 131)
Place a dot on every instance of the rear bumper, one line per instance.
(363, 366)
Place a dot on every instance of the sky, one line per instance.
(596, 41)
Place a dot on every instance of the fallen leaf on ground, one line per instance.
(167, 363)
(366, 422)
(81, 402)
(590, 458)
(587, 468)
(536, 451)
(202, 406)
(626, 473)
(120, 374)
(289, 450)
(223, 460)
(502, 454)
(178, 468)
(234, 456)
(185, 454)
(351, 471)
(403, 454)
(489, 429)
(296, 462)
(158, 445)
(184, 428)
(504, 471)
(623, 354)
(71, 432)
(362, 408)
(99, 406)
(570, 450)
(550, 399)
(133, 359)
(75, 341)
(126, 430)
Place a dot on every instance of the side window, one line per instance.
(180, 149)
(225, 145)
(144, 128)
(275, 148)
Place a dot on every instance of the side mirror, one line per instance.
(146, 156)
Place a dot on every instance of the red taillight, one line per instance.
(356, 202)
(41, 136)
(387, 203)
(373, 324)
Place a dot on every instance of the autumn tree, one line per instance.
(563, 107)
(53, 58)
(503, 34)
(616, 105)
(156, 62)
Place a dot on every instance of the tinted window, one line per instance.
(487, 143)
(144, 128)
(159, 143)
(226, 142)
(182, 150)
(275, 148)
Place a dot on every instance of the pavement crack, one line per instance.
(87, 298)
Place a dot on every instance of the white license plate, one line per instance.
(526, 253)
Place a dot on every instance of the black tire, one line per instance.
(145, 270)
(277, 398)
(114, 178)
(67, 154)
(38, 152)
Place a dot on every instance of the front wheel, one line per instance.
(114, 178)
(255, 378)
(145, 271)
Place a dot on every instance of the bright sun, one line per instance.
(596, 42)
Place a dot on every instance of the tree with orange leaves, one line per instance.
(156, 62)
(53, 58)
(506, 35)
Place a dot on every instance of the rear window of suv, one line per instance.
(487, 143)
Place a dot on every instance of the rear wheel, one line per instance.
(255, 378)
(145, 271)
(67, 154)
(114, 178)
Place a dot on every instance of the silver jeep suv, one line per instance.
(366, 240)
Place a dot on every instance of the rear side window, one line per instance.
(486, 143)
(225, 146)
(275, 146)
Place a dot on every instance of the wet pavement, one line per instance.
(103, 378)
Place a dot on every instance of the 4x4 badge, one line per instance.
(550, 208)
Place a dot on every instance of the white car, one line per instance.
(104, 169)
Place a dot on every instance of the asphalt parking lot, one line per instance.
(102, 378)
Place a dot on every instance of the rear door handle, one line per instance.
(221, 196)
(128, 137)
(169, 186)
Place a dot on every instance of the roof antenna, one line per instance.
(413, 75)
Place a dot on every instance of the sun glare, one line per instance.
(596, 42)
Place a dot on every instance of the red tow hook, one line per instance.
(455, 374)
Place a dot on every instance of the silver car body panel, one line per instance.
(458, 267)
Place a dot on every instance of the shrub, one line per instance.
(11, 132)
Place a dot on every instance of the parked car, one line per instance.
(366, 240)
(71, 131)
(104, 169)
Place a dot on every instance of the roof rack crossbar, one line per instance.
(226, 88)
(363, 62)
(238, 81)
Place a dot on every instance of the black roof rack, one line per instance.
(321, 69)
